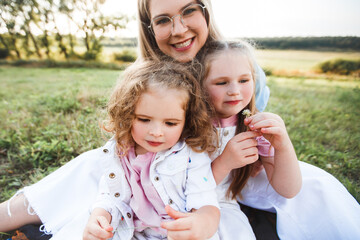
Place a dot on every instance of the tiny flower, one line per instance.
(246, 113)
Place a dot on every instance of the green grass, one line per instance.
(322, 119)
(49, 116)
(299, 60)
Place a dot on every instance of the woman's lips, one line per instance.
(183, 46)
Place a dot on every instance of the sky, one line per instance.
(270, 18)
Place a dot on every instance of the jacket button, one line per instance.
(129, 215)
(171, 201)
(157, 157)
(156, 178)
(112, 175)
(226, 133)
(105, 150)
(117, 194)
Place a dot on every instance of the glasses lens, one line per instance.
(161, 26)
(192, 15)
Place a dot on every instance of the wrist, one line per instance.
(221, 165)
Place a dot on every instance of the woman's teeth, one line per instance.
(183, 44)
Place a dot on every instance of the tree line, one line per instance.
(32, 28)
(350, 43)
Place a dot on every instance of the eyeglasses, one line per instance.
(162, 26)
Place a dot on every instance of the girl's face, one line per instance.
(185, 41)
(229, 83)
(159, 119)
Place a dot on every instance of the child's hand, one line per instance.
(271, 126)
(240, 151)
(201, 224)
(98, 226)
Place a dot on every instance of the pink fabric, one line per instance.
(146, 203)
(264, 147)
(227, 122)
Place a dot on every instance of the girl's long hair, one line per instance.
(147, 45)
(207, 55)
(140, 77)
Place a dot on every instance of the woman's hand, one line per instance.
(199, 224)
(98, 226)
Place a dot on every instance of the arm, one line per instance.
(98, 226)
(283, 169)
(199, 224)
(239, 151)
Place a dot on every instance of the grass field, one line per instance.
(299, 60)
(49, 116)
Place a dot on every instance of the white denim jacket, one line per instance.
(182, 177)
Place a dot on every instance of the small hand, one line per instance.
(98, 228)
(271, 126)
(241, 150)
(186, 225)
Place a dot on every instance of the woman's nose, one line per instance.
(178, 26)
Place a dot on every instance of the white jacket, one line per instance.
(182, 177)
(63, 199)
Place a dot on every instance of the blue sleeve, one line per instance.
(262, 92)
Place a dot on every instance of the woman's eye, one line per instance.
(162, 21)
(189, 11)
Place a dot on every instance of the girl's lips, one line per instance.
(183, 46)
(154, 144)
(235, 102)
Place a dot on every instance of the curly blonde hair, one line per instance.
(241, 175)
(139, 78)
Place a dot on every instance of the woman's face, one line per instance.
(184, 42)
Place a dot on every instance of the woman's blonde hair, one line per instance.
(139, 78)
(212, 50)
(146, 40)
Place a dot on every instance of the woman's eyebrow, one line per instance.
(166, 14)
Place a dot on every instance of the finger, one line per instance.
(263, 116)
(248, 143)
(173, 213)
(265, 123)
(272, 130)
(103, 222)
(179, 235)
(245, 135)
(180, 224)
(251, 159)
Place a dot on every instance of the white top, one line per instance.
(323, 209)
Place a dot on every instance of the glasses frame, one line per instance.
(150, 28)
